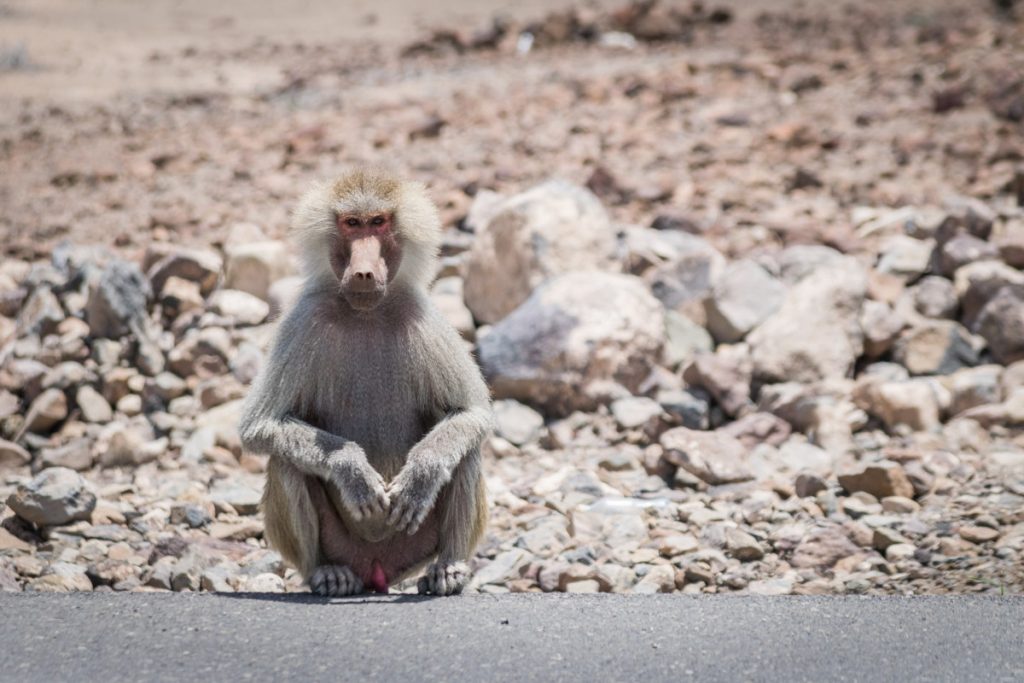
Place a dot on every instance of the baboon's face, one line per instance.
(365, 256)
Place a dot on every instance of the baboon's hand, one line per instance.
(412, 494)
(362, 489)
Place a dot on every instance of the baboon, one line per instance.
(370, 405)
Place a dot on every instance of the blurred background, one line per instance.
(745, 279)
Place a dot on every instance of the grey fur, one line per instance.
(386, 408)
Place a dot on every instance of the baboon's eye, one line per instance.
(352, 222)
(378, 220)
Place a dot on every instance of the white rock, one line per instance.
(485, 206)
(816, 333)
(573, 341)
(252, 267)
(200, 266)
(13, 455)
(742, 298)
(973, 387)
(684, 339)
(912, 403)
(46, 411)
(935, 347)
(686, 277)
(117, 300)
(241, 307)
(660, 579)
(55, 496)
(713, 457)
(61, 577)
(502, 568)
(265, 583)
(447, 293)
(93, 406)
(283, 294)
(906, 257)
(518, 423)
(551, 229)
(178, 296)
(799, 261)
(881, 325)
(635, 411)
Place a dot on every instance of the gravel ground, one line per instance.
(796, 361)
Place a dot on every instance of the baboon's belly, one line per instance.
(372, 529)
(370, 548)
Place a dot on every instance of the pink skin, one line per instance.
(378, 579)
(365, 257)
(378, 563)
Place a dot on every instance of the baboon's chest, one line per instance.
(371, 391)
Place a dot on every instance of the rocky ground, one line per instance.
(748, 286)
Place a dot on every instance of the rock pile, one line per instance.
(752, 315)
(649, 21)
(796, 421)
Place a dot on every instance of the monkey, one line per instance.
(370, 406)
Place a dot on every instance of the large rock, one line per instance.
(61, 577)
(822, 548)
(12, 296)
(977, 283)
(881, 325)
(906, 257)
(800, 260)
(178, 295)
(683, 339)
(56, 496)
(961, 250)
(685, 278)
(13, 455)
(880, 479)
(551, 229)
(713, 457)
(117, 301)
(448, 294)
(283, 294)
(912, 403)
(1001, 323)
(41, 313)
(816, 334)
(200, 266)
(972, 387)
(935, 347)
(966, 215)
(934, 297)
(253, 266)
(240, 307)
(1011, 243)
(47, 411)
(635, 412)
(743, 297)
(517, 423)
(574, 339)
(725, 376)
(93, 406)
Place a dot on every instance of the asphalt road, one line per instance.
(204, 637)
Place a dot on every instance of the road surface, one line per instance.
(206, 637)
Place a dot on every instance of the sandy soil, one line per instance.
(123, 123)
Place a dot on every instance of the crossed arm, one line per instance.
(270, 426)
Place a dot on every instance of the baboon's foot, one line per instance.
(444, 578)
(334, 581)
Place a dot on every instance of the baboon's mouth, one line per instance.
(365, 301)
